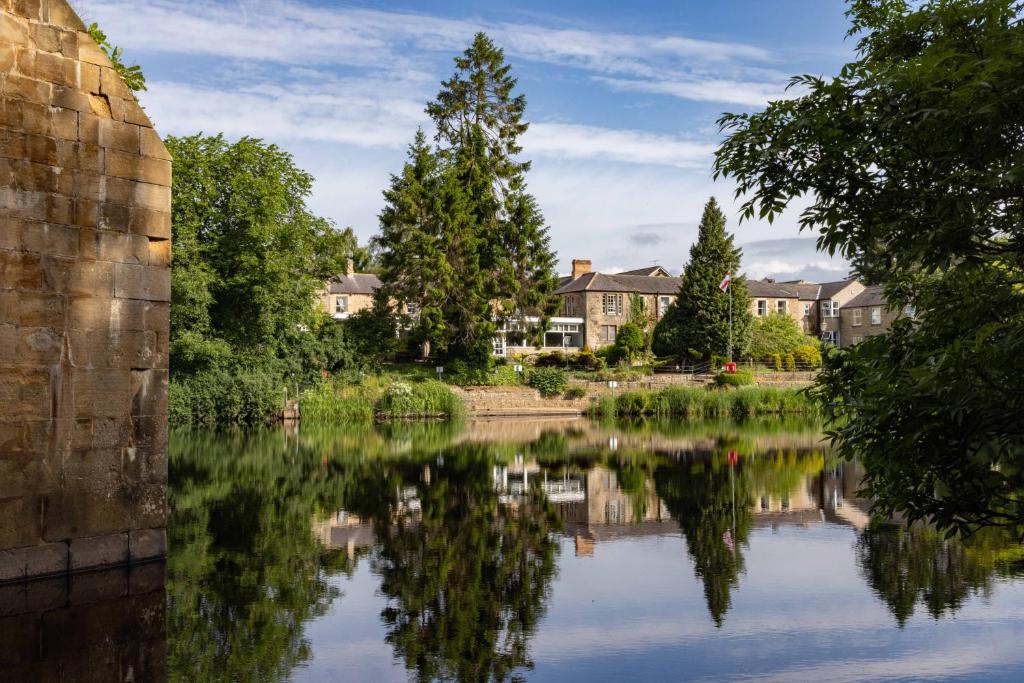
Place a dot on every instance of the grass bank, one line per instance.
(377, 399)
(700, 403)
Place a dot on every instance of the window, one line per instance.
(807, 310)
(611, 304)
(858, 314)
(762, 307)
(569, 306)
(910, 311)
(876, 315)
(608, 333)
(663, 303)
(341, 304)
(412, 308)
(781, 306)
(830, 309)
(828, 337)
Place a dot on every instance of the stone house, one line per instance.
(866, 315)
(815, 307)
(350, 293)
(602, 303)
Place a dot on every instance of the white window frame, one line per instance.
(857, 317)
(830, 309)
(663, 303)
(338, 307)
(614, 333)
(762, 307)
(910, 311)
(611, 304)
(876, 315)
(782, 306)
(807, 310)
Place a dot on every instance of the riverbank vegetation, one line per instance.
(700, 403)
(378, 398)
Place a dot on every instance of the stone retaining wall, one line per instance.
(85, 255)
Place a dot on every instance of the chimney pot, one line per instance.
(580, 267)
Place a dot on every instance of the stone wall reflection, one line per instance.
(101, 626)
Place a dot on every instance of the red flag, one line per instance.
(726, 281)
(734, 457)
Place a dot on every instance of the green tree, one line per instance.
(249, 262)
(460, 235)
(912, 159)
(630, 341)
(699, 317)
(776, 333)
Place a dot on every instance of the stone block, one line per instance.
(46, 238)
(98, 586)
(35, 560)
(62, 15)
(14, 30)
(147, 578)
(152, 197)
(74, 514)
(21, 517)
(95, 470)
(28, 598)
(98, 551)
(159, 252)
(149, 392)
(60, 209)
(68, 98)
(90, 53)
(117, 191)
(45, 37)
(64, 123)
(41, 309)
(101, 393)
(20, 271)
(23, 203)
(147, 544)
(133, 113)
(152, 145)
(148, 507)
(23, 88)
(141, 282)
(150, 223)
(88, 278)
(122, 247)
(89, 77)
(111, 84)
(134, 167)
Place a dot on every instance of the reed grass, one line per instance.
(372, 399)
(693, 403)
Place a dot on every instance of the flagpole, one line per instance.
(730, 321)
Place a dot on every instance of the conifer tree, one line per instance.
(460, 235)
(699, 317)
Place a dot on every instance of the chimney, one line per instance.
(580, 267)
(350, 267)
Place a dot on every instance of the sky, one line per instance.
(622, 99)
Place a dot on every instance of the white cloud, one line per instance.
(289, 32)
(569, 141)
(747, 93)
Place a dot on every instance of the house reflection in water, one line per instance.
(828, 496)
(346, 530)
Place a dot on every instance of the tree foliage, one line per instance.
(776, 333)
(461, 238)
(911, 156)
(699, 317)
(249, 262)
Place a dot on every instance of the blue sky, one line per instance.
(622, 98)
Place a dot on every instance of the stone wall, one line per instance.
(84, 302)
(595, 318)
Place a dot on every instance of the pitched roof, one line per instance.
(830, 289)
(649, 271)
(357, 283)
(775, 290)
(601, 282)
(871, 296)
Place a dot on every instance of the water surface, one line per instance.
(555, 551)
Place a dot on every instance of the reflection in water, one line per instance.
(462, 529)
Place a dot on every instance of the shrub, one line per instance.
(422, 399)
(587, 360)
(630, 341)
(327, 401)
(734, 379)
(236, 396)
(789, 363)
(807, 356)
(777, 361)
(552, 359)
(548, 381)
(575, 393)
(633, 403)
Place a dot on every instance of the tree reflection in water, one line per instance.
(908, 566)
(466, 568)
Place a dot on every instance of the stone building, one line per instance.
(816, 308)
(866, 315)
(85, 251)
(350, 293)
(603, 303)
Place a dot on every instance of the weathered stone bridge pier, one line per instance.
(84, 299)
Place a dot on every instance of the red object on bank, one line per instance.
(734, 457)
(730, 367)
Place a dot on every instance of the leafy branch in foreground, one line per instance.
(131, 75)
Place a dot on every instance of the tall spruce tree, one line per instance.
(460, 235)
(699, 317)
